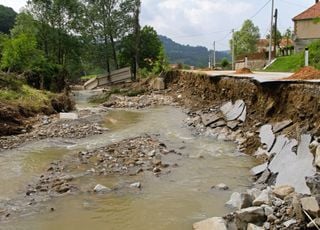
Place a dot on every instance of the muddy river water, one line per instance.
(169, 202)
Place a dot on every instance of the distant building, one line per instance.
(305, 28)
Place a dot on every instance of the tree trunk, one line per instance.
(114, 52)
(137, 38)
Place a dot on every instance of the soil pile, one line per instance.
(243, 71)
(305, 73)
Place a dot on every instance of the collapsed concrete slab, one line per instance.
(293, 168)
(267, 136)
(210, 118)
(279, 126)
(234, 111)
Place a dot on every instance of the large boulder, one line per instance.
(283, 191)
(250, 215)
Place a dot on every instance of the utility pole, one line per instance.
(275, 31)
(214, 54)
(233, 46)
(271, 28)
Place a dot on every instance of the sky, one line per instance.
(200, 22)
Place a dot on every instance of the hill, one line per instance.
(7, 19)
(189, 55)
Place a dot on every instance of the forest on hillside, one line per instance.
(189, 55)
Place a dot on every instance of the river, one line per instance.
(169, 202)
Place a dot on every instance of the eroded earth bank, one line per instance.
(166, 157)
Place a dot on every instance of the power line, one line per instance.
(260, 9)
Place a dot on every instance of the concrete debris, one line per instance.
(216, 223)
(259, 169)
(267, 136)
(278, 127)
(280, 143)
(234, 111)
(208, 119)
(293, 168)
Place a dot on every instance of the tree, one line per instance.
(21, 54)
(279, 36)
(151, 50)
(7, 18)
(224, 62)
(314, 54)
(246, 39)
(287, 35)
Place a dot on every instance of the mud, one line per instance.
(15, 119)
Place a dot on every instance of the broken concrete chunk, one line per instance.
(259, 169)
(279, 126)
(208, 119)
(296, 168)
(233, 111)
(280, 143)
(267, 136)
(217, 124)
(233, 124)
(216, 223)
(264, 177)
(243, 116)
(310, 205)
(68, 116)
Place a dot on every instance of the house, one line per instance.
(305, 28)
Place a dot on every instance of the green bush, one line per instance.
(314, 54)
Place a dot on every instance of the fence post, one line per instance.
(306, 57)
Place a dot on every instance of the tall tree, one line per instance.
(7, 18)
(246, 38)
(137, 36)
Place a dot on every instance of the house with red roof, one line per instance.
(306, 29)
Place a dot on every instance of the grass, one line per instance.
(15, 92)
(88, 77)
(287, 64)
